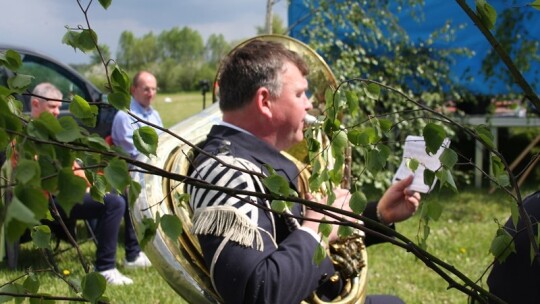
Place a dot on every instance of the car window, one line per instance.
(47, 72)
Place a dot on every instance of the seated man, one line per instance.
(254, 255)
(108, 215)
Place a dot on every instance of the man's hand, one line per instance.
(398, 203)
(342, 202)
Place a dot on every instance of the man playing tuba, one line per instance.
(253, 254)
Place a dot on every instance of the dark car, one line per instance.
(67, 79)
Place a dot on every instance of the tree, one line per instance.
(277, 27)
(216, 48)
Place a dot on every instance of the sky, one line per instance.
(40, 24)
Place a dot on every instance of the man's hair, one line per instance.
(252, 66)
(135, 81)
(47, 90)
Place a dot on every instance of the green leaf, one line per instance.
(484, 133)
(93, 286)
(434, 136)
(172, 226)
(119, 100)
(448, 158)
(325, 229)
(41, 236)
(33, 198)
(429, 177)
(71, 38)
(352, 102)
(87, 40)
(385, 124)
(4, 140)
(502, 245)
(412, 164)
(117, 174)
(345, 231)
(49, 170)
(148, 230)
(535, 4)
(433, 210)
(330, 107)
(27, 171)
(358, 202)
(339, 141)
(486, 13)
(48, 122)
(278, 206)
(446, 178)
(11, 59)
(313, 145)
(133, 192)
(17, 210)
(79, 107)
(71, 131)
(373, 91)
(277, 184)
(10, 288)
(85, 112)
(31, 283)
(363, 137)
(499, 172)
(105, 3)
(146, 140)
(120, 81)
(71, 189)
(376, 159)
(99, 188)
(97, 142)
(514, 213)
(19, 82)
(319, 255)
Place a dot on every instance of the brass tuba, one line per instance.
(181, 263)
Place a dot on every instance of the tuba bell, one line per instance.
(180, 262)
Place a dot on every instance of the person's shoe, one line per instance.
(141, 261)
(115, 277)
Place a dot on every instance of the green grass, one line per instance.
(461, 237)
(182, 105)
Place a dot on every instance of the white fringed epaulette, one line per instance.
(227, 221)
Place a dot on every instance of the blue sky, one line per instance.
(40, 24)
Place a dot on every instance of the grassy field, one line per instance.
(461, 237)
(181, 106)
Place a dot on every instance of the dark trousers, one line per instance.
(109, 216)
(130, 237)
(383, 299)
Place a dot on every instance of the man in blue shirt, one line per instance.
(143, 92)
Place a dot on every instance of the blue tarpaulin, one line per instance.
(467, 71)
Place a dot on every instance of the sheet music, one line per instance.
(415, 148)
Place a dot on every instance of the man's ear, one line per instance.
(263, 102)
(34, 102)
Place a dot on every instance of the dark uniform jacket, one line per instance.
(517, 279)
(253, 255)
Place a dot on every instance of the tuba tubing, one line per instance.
(180, 261)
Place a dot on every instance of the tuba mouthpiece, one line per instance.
(312, 120)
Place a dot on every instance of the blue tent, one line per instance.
(467, 71)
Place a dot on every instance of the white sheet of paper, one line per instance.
(415, 148)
